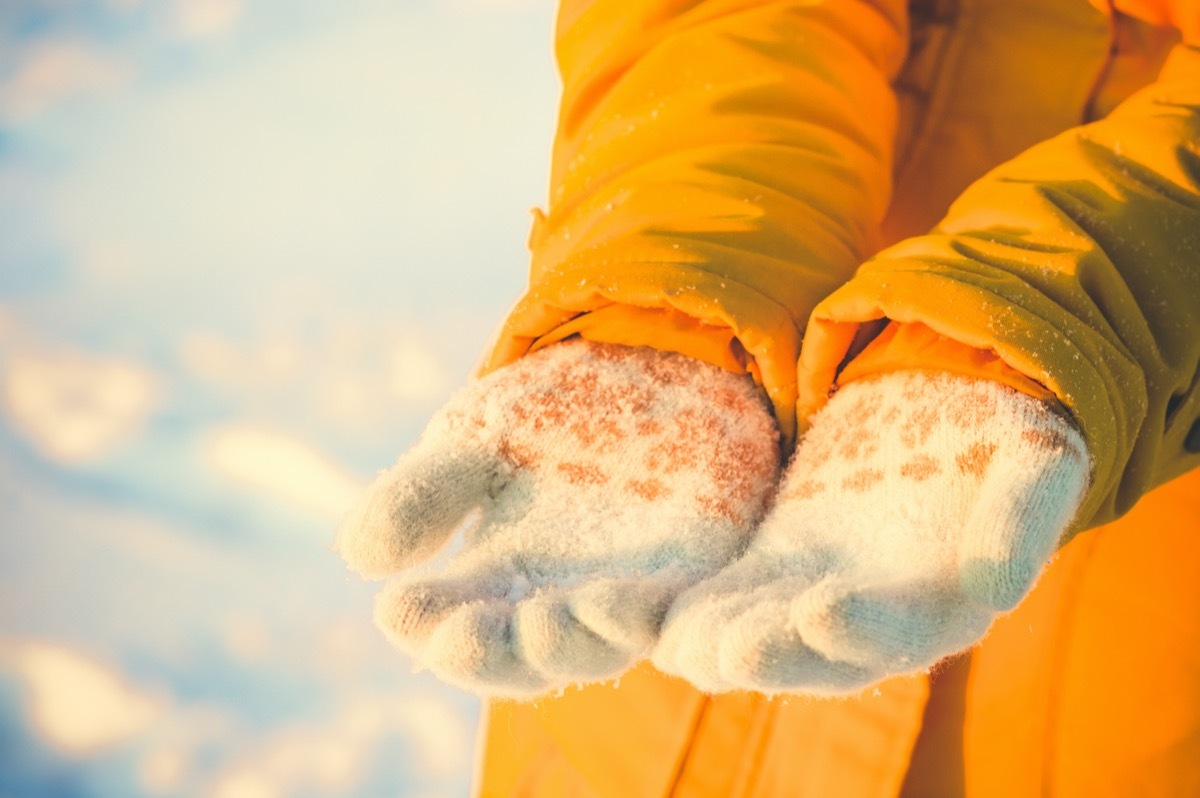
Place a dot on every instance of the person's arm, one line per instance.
(1078, 264)
(719, 167)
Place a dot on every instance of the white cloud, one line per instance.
(208, 17)
(364, 376)
(112, 261)
(212, 357)
(439, 734)
(332, 757)
(76, 703)
(283, 466)
(416, 375)
(247, 638)
(245, 784)
(341, 647)
(337, 754)
(55, 71)
(219, 360)
(163, 771)
(176, 755)
(74, 407)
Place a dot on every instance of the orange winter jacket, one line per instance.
(816, 190)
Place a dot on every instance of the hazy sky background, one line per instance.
(246, 247)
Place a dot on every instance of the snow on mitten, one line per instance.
(608, 480)
(918, 507)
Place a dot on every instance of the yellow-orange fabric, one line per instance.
(1076, 263)
(1088, 688)
(728, 159)
(904, 347)
(726, 177)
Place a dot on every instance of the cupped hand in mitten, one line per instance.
(919, 506)
(598, 481)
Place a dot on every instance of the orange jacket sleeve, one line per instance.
(719, 167)
(1078, 264)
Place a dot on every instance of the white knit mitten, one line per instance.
(608, 480)
(918, 507)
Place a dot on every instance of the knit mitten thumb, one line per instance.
(918, 507)
(598, 483)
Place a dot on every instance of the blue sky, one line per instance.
(249, 245)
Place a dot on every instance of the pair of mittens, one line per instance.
(616, 499)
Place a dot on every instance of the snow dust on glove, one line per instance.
(606, 480)
(918, 507)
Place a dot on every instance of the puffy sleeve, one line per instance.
(719, 167)
(1078, 264)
